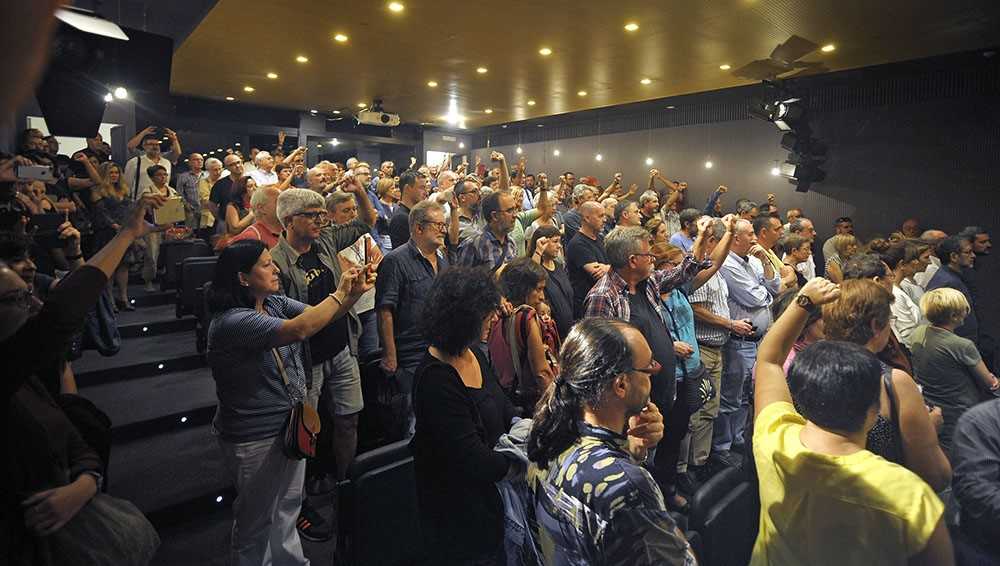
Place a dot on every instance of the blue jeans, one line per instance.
(738, 359)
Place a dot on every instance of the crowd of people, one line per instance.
(629, 345)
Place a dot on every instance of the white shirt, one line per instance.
(906, 316)
(144, 163)
(913, 290)
(807, 268)
(262, 177)
(924, 278)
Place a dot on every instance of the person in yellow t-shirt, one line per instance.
(824, 498)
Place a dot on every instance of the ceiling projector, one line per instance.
(375, 116)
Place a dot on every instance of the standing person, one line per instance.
(110, 202)
(841, 226)
(842, 248)
(769, 232)
(493, 246)
(573, 219)
(975, 453)
(586, 259)
(905, 259)
(237, 213)
(206, 222)
(796, 251)
(949, 367)
(188, 187)
(222, 190)
(159, 176)
(405, 277)
(684, 238)
(593, 429)
(545, 248)
(267, 227)
(461, 411)
(752, 283)
(470, 220)
(413, 189)
(137, 169)
(804, 227)
(256, 344)
(956, 255)
(819, 486)
(387, 201)
(264, 173)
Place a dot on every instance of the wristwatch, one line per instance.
(806, 303)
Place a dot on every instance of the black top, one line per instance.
(220, 196)
(399, 226)
(580, 251)
(645, 317)
(559, 296)
(330, 341)
(976, 482)
(457, 427)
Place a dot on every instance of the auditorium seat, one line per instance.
(172, 253)
(192, 274)
(377, 519)
(725, 513)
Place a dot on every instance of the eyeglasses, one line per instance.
(654, 367)
(647, 254)
(19, 298)
(319, 216)
(440, 226)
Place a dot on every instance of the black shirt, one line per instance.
(651, 325)
(581, 251)
(399, 226)
(559, 296)
(220, 196)
(330, 341)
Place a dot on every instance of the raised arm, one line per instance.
(291, 156)
(133, 143)
(353, 283)
(504, 171)
(612, 188)
(771, 385)
(175, 145)
(719, 254)
(366, 210)
(713, 200)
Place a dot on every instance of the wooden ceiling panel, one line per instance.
(679, 46)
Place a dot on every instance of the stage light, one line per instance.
(109, 97)
(788, 114)
(121, 93)
(599, 157)
(555, 152)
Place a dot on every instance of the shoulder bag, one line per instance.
(302, 426)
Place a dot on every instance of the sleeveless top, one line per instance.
(884, 438)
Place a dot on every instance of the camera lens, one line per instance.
(384, 118)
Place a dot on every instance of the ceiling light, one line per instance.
(237, 144)
(649, 161)
(709, 165)
(488, 111)
(461, 145)
(646, 81)
(555, 152)
(828, 48)
(432, 84)
(230, 98)
(519, 151)
(581, 93)
(504, 126)
(248, 88)
(725, 67)
(531, 103)
(302, 59)
(599, 157)
(631, 26)
(335, 142)
(482, 70)
(545, 51)
(361, 105)
(671, 107)
(319, 146)
(109, 97)
(336, 111)
(313, 111)
(340, 38)
(396, 7)
(120, 92)
(775, 171)
(539, 125)
(272, 75)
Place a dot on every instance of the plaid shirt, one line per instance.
(485, 249)
(609, 296)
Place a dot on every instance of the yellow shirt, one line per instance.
(204, 191)
(776, 262)
(839, 510)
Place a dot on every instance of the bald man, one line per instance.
(586, 260)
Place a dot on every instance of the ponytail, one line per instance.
(554, 426)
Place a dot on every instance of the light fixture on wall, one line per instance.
(555, 152)
(709, 165)
(599, 157)
(649, 161)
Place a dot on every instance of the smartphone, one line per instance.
(44, 228)
(34, 172)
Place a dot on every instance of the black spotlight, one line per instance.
(789, 114)
(802, 172)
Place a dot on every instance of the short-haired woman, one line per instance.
(256, 349)
(948, 366)
(797, 250)
(903, 432)
(906, 258)
(160, 177)
(388, 200)
(461, 411)
(846, 246)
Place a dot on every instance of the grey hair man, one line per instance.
(264, 173)
(571, 220)
(266, 226)
(802, 226)
(649, 205)
(746, 209)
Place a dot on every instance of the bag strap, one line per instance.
(135, 187)
(284, 374)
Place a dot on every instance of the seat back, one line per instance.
(378, 508)
(725, 512)
(193, 273)
(172, 253)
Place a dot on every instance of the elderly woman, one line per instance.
(846, 246)
(256, 344)
(903, 431)
(948, 366)
(160, 176)
(461, 411)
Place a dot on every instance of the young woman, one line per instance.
(238, 214)
(545, 248)
(109, 199)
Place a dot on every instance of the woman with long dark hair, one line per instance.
(545, 248)
(237, 213)
(256, 348)
(593, 501)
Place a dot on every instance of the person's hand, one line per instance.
(136, 224)
(298, 170)
(7, 171)
(281, 137)
(505, 307)
(71, 236)
(722, 189)
(48, 511)
(171, 135)
(632, 189)
(741, 327)
(645, 430)
(618, 177)
(413, 161)
(994, 383)
(937, 418)
(683, 350)
(601, 271)
(703, 223)
(682, 186)
(730, 221)
(654, 173)
(351, 282)
(388, 364)
(148, 130)
(758, 252)
(82, 158)
(821, 291)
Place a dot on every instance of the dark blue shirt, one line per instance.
(945, 277)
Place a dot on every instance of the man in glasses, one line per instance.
(219, 196)
(306, 256)
(493, 246)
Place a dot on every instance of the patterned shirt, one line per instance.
(485, 249)
(609, 298)
(595, 505)
(715, 295)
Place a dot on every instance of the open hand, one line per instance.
(48, 511)
(821, 291)
(136, 222)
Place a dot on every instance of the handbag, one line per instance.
(107, 531)
(298, 441)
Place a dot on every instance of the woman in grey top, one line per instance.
(255, 335)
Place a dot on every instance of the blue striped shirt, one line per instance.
(750, 293)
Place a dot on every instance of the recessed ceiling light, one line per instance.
(248, 88)
(646, 81)
(649, 161)
(237, 144)
(504, 126)
(432, 84)
(313, 111)
(775, 171)
(482, 70)
(272, 75)
(361, 105)
(120, 92)
(709, 165)
(461, 145)
(109, 97)
(671, 107)
(302, 59)
(531, 103)
(340, 38)
(599, 157)
(396, 7)
(545, 51)
(488, 111)
(555, 152)
(828, 48)
(230, 98)
(540, 125)
(725, 67)
(319, 145)
(581, 93)
(631, 26)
